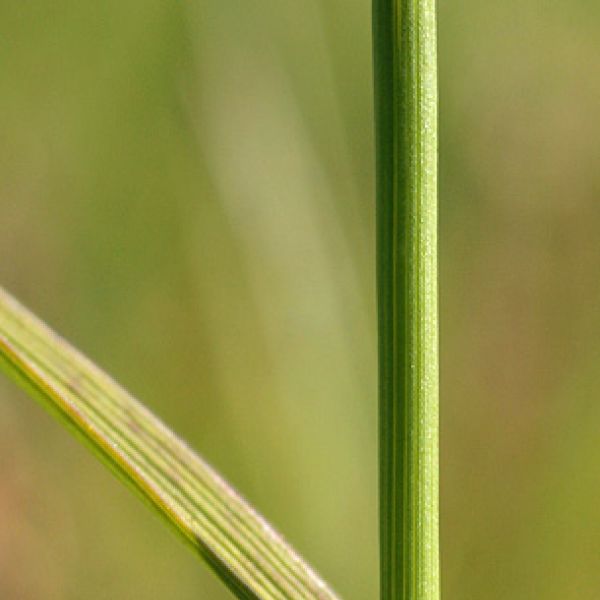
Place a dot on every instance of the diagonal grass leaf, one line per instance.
(240, 546)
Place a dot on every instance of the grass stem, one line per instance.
(404, 33)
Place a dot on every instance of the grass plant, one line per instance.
(240, 546)
(404, 33)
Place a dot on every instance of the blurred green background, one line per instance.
(187, 195)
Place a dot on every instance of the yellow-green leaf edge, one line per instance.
(253, 559)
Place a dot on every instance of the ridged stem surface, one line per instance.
(404, 34)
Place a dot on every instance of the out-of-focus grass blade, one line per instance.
(241, 547)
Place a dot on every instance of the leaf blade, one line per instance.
(239, 545)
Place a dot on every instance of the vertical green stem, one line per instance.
(406, 144)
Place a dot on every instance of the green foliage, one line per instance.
(241, 547)
(251, 558)
(406, 124)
